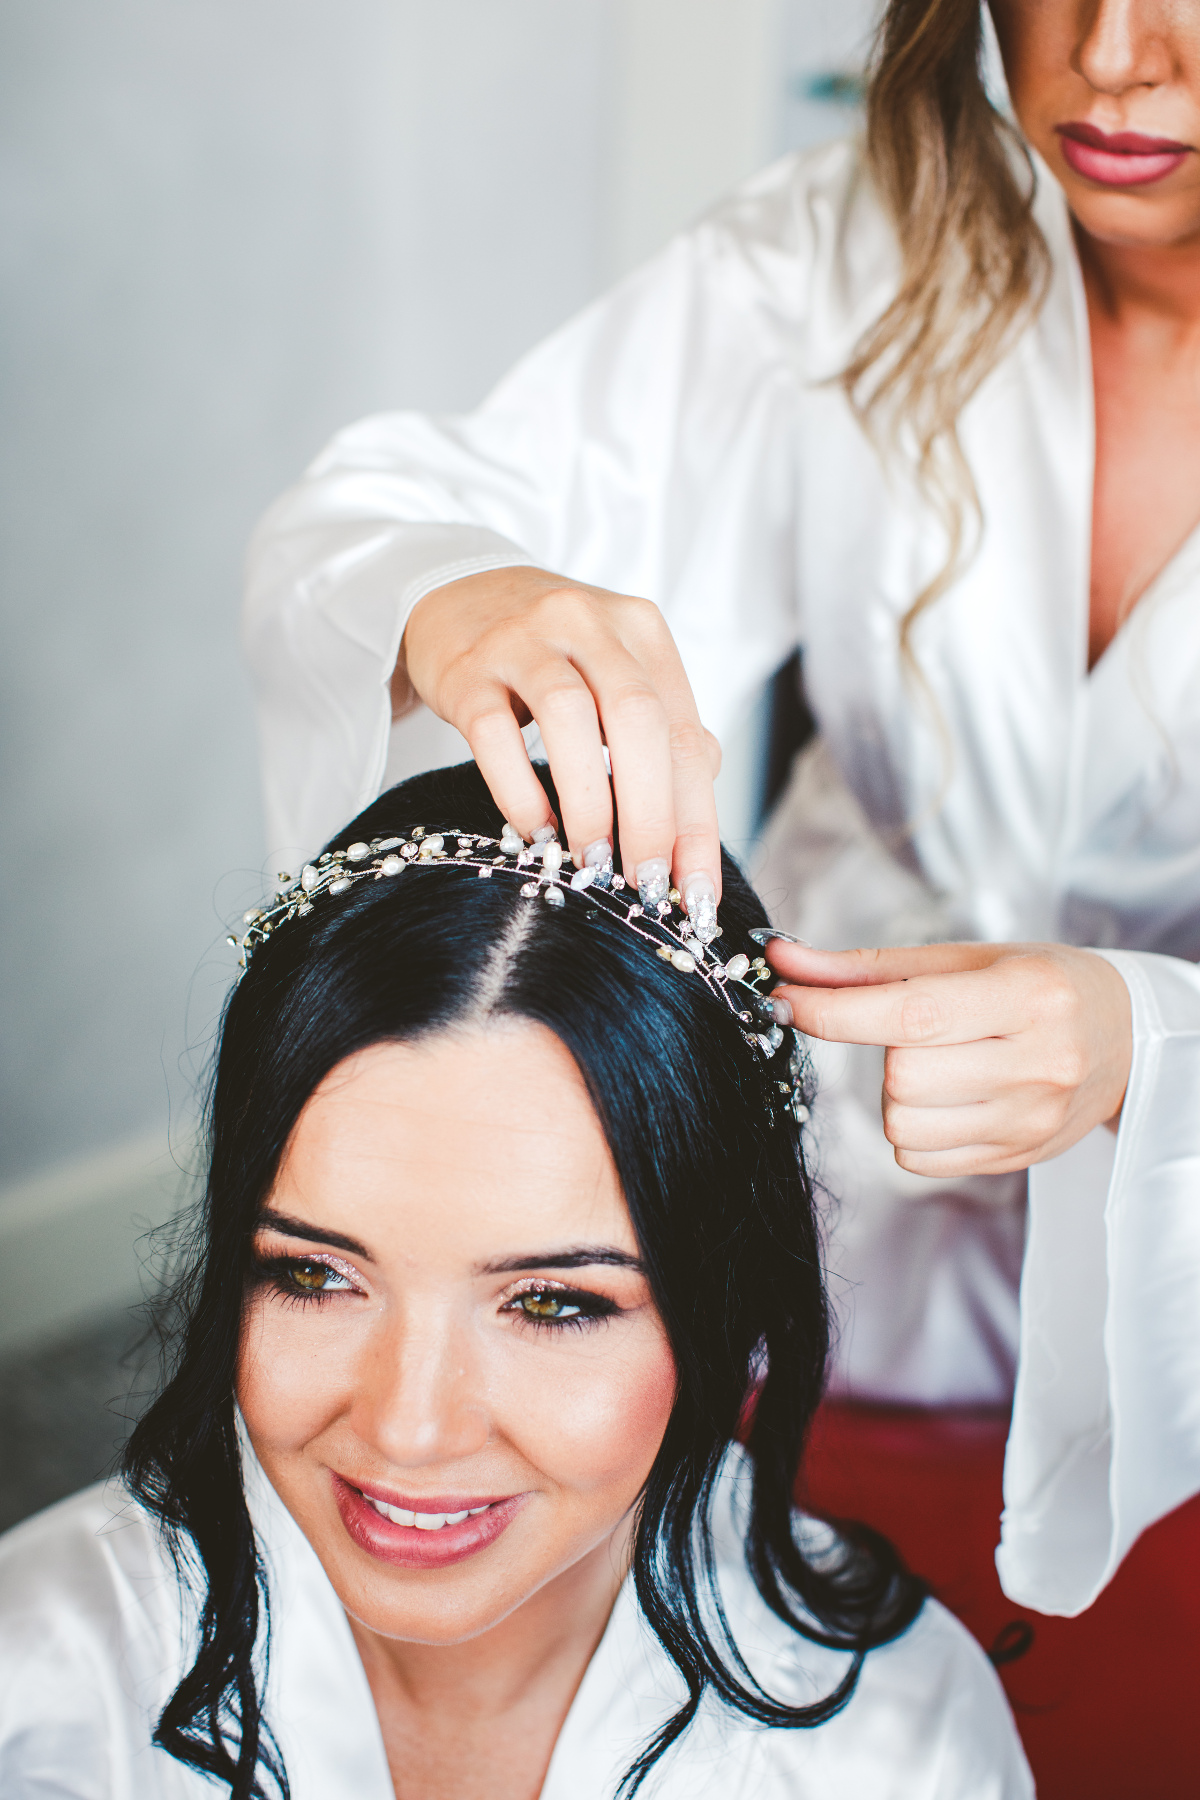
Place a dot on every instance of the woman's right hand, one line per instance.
(495, 650)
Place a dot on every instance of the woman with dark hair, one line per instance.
(922, 405)
(508, 1240)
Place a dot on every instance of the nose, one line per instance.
(1122, 45)
(419, 1398)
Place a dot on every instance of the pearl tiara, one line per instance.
(653, 911)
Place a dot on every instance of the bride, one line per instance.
(508, 1245)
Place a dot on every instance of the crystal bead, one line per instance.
(392, 865)
(618, 882)
(304, 908)
(554, 896)
(408, 851)
(737, 966)
(528, 890)
(358, 852)
(582, 878)
(664, 950)
(389, 844)
(232, 942)
(418, 832)
(635, 912)
(484, 874)
(684, 961)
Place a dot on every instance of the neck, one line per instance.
(538, 1654)
(1153, 281)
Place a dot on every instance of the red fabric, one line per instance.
(1104, 1702)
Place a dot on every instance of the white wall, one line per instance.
(227, 227)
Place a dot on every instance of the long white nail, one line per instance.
(782, 1010)
(700, 898)
(543, 834)
(597, 854)
(654, 882)
(763, 935)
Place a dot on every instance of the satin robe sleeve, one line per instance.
(1105, 1437)
(645, 448)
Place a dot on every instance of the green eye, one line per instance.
(544, 1304)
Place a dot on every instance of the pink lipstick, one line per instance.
(426, 1531)
(1120, 158)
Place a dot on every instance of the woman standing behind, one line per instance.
(927, 407)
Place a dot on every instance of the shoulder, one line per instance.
(809, 239)
(92, 1622)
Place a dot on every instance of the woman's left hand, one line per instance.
(998, 1055)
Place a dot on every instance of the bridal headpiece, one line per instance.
(653, 911)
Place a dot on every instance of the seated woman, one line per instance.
(508, 1243)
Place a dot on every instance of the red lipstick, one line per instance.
(1119, 158)
(443, 1536)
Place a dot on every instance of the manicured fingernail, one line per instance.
(782, 1011)
(544, 833)
(700, 898)
(607, 760)
(654, 882)
(597, 854)
(763, 935)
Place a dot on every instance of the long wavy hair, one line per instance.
(712, 1167)
(958, 182)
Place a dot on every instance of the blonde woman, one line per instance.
(927, 406)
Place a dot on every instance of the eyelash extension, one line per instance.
(276, 1271)
(593, 1308)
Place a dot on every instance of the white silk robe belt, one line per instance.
(95, 1629)
(681, 439)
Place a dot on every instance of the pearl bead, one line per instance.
(554, 896)
(432, 843)
(358, 852)
(392, 865)
(340, 885)
(552, 857)
(737, 966)
(309, 878)
(684, 961)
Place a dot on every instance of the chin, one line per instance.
(1140, 221)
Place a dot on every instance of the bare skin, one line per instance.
(502, 1349)
(1110, 67)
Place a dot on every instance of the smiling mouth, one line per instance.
(430, 1532)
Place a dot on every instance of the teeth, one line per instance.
(400, 1515)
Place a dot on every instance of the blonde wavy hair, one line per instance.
(958, 180)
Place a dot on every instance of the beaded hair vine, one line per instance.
(541, 866)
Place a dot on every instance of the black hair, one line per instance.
(712, 1167)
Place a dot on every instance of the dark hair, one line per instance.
(710, 1161)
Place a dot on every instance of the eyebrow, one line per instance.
(315, 1234)
(584, 1257)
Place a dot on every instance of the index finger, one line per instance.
(957, 1008)
(871, 968)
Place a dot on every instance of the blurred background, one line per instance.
(228, 227)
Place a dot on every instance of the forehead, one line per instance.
(465, 1144)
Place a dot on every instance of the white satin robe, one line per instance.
(96, 1630)
(682, 439)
